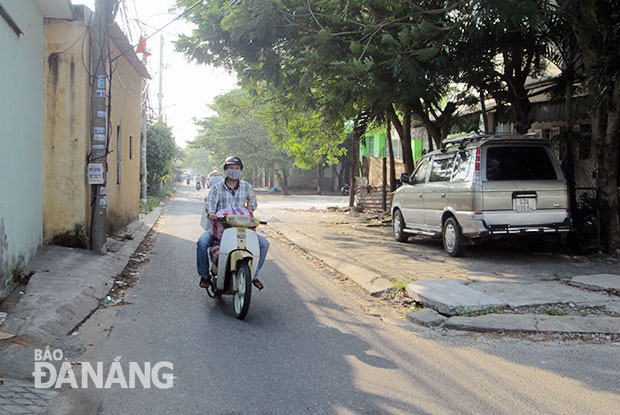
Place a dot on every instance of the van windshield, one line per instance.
(519, 163)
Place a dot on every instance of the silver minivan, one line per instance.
(483, 186)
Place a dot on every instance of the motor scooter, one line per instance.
(197, 184)
(234, 260)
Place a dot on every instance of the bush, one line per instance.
(155, 197)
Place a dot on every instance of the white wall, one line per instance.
(21, 137)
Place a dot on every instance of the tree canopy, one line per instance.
(422, 61)
(161, 152)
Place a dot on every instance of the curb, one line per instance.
(535, 323)
(370, 281)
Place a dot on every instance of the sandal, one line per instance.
(205, 282)
(258, 284)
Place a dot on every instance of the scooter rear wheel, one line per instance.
(243, 291)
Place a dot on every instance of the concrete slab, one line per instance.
(56, 301)
(449, 297)
(607, 282)
(544, 292)
(493, 322)
(427, 317)
(613, 306)
(532, 323)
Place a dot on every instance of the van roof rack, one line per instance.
(462, 140)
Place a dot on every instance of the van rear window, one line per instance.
(519, 163)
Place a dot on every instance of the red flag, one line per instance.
(142, 46)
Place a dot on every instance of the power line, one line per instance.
(160, 29)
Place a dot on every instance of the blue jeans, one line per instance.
(202, 253)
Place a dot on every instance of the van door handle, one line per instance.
(443, 195)
(420, 195)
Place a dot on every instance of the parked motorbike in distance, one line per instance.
(197, 184)
(234, 260)
(346, 190)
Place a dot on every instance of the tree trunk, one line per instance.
(405, 137)
(391, 155)
(606, 145)
(359, 129)
(483, 109)
(339, 175)
(354, 167)
(605, 120)
(521, 108)
(431, 127)
(319, 179)
(283, 181)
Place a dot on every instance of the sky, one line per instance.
(187, 87)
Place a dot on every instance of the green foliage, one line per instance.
(238, 128)
(161, 151)
(554, 311)
(200, 159)
(155, 197)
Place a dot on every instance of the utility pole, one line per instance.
(97, 167)
(143, 171)
(160, 95)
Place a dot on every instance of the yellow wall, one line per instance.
(67, 135)
(66, 138)
(124, 198)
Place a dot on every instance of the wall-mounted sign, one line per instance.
(95, 173)
(99, 130)
(102, 201)
(101, 82)
(102, 114)
(102, 191)
(100, 93)
(99, 137)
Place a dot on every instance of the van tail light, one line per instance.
(477, 177)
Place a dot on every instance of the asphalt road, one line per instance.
(312, 344)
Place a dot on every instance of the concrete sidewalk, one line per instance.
(57, 300)
(527, 293)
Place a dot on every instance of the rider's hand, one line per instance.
(212, 216)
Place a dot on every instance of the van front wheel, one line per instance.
(399, 226)
(453, 240)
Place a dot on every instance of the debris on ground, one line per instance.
(129, 277)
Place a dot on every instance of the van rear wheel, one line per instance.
(453, 240)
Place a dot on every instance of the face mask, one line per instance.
(233, 174)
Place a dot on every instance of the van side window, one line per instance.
(419, 176)
(463, 166)
(441, 169)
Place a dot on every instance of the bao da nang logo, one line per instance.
(129, 376)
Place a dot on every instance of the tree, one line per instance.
(238, 128)
(498, 45)
(160, 152)
(199, 159)
(339, 58)
(595, 24)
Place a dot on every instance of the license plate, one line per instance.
(524, 204)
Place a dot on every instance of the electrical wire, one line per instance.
(81, 37)
(160, 29)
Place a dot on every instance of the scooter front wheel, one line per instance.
(243, 291)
